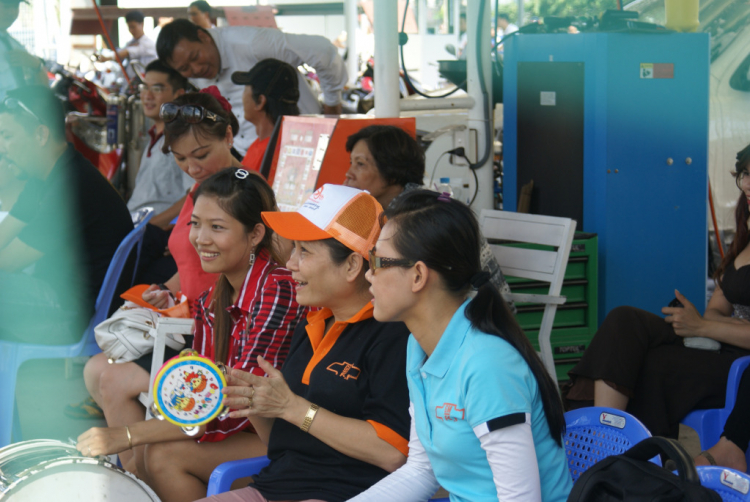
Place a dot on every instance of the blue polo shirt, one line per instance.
(474, 383)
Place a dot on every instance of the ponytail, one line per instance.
(489, 313)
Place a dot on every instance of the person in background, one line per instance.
(211, 57)
(335, 417)
(487, 420)
(249, 312)
(67, 222)
(270, 92)
(17, 67)
(661, 368)
(505, 27)
(140, 47)
(387, 162)
(160, 182)
(199, 13)
(10, 188)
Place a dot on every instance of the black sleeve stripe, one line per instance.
(506, 421)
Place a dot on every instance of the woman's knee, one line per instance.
(163, 458)
(92, 372)
(125, 381)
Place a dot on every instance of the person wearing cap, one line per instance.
(140, 47)
(17, 67)
(335, 417)
(210, 57)
(199, 13)
(67, 222)
(270, 92)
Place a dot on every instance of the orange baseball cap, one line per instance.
(349, 215)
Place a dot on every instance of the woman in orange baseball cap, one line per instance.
(335, 418)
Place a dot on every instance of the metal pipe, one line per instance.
(478, 115)
(437, 104)
(385, 24)
(351, 18)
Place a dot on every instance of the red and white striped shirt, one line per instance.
(265, 315)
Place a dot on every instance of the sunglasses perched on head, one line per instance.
(13, 104)
(377, 262)
(192, 114)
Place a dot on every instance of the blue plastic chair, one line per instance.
(224, 475)
(595, 433)
(709, 424)
(731, 485)
(13, 354)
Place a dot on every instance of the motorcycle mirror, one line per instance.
(450, 49)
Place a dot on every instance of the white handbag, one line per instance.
(130, 334)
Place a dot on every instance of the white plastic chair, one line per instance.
(164, 327)
(535, 264)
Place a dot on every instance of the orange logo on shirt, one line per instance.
(449, 411)
(345, 370)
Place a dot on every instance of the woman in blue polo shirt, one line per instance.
(487, 421)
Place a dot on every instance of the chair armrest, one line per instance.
(225, 474)
(733, 381)
(526, 298)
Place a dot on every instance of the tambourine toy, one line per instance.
(187, 391)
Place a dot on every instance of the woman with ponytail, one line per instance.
(660, 368)
(250, 313)
(487, 421)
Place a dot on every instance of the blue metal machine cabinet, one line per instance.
(613, 130)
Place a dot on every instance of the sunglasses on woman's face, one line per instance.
(377, 262)
(192, 114)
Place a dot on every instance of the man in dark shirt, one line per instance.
(61, 234)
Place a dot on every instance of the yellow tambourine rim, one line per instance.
(181, 360)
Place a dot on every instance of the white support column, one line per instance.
(477, 114)
(385, 25)
(352, 24)
(521, 13)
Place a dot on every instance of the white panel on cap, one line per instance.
(325, 204)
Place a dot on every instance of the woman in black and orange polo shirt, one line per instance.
(336, 417)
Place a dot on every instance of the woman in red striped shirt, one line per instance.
(250, 312)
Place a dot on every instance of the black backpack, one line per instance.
(631, 477)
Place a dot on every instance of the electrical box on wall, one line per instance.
(613, 130)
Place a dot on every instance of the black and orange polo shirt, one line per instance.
(356, 370)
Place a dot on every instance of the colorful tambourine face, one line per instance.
(187, 390)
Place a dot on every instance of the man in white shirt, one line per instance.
(504, 26)
(17, 67)
(140, 47)
(160, 183)
(210, 58)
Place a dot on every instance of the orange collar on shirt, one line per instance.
(323, 342)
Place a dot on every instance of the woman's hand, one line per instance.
(253, 396)
(159, 298)
(103, 441)
(686, 321)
